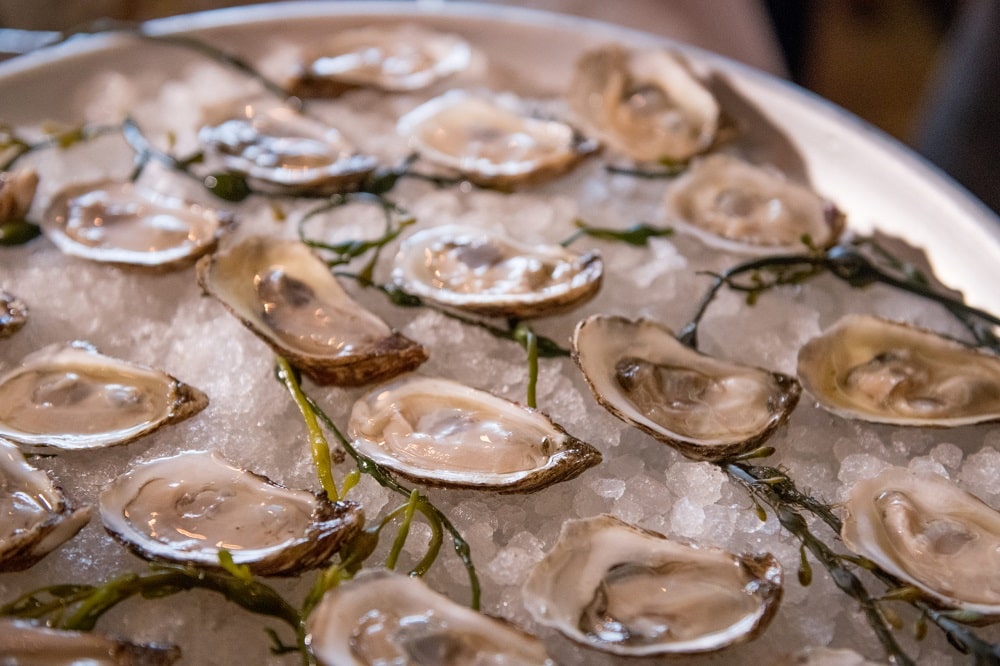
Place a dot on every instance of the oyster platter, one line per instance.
(372, 333)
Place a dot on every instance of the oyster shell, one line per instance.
(740, 207)
(392, 58)
(187, 507)
(382, 617)
(618, 588)
(23, 643)
(13, 314)
(929, 533)
(130, 225)
(888, 372)
(282, 150)
(644, 103)
(72, 397)
(35, 516)
(492, 142)
(287, 296)
(486, 273)
(443, 433)
(707, 408)
(17, 191)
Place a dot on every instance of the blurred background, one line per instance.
(925, 71)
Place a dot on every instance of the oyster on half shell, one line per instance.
(72, 397)
(187, 507)
(443, 433)
(287, 296)
(381, 617)
(35, 516)
(25, 644)
(617, 588)
(883, 371)
(707, 408)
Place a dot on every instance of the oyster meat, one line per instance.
(282, 150)
(398, 58)
(443, 433)
(126, 224)
(26, 644)
(643, 103)
(707, 408)
(188, 507)
(287, 296)
(35, 516)
(617, 588)
(13, 314)
(491, 140)
(72, 397)
(488, 274)
(888, 372)
(929, 533)
(381, 617)
(17, 191)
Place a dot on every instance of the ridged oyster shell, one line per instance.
(187, 507)
(287, 296)
(489, 274)
(35, 516)
(707, 408)
(883, 371)
(24, 644)
(931, 534)
(381, 617)
(442, 433)
(618, 588)
(72, 397)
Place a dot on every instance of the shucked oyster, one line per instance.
(35, 516)
(129, 225)
(439, 432)
(287, 296)
(931, 534)
(491, 275)
(186, 508)
(490, 141)
(72, 397)
(26, 644)
(645, 104)
(888, 372)
(381, 617)
(618, 588)
(707, 408)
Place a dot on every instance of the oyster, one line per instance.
(130, 225)
(618, 588)
(13, 314)
(186, 508)
(492, 142)
(739, 207)
(282, 150)
(443, 433)
(930, 534)
(287, 296)
(395, 59)
(887, 372)
(489, 274)
(707, 408)
(644, 103)
(73, 397)
(23, 643)
(17, 191)
(35, 516)
(382, 617)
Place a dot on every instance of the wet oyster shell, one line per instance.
(488, 274)
(287, 296)
(882, 371)
(23, 643)
(124, 224)
(187, 507)
(17, 191)
(929, 533)
(71, 397)
(35, 515)
(13, 314)
(707, 408)
(442, 433)
(618, 588)
(381, 617)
